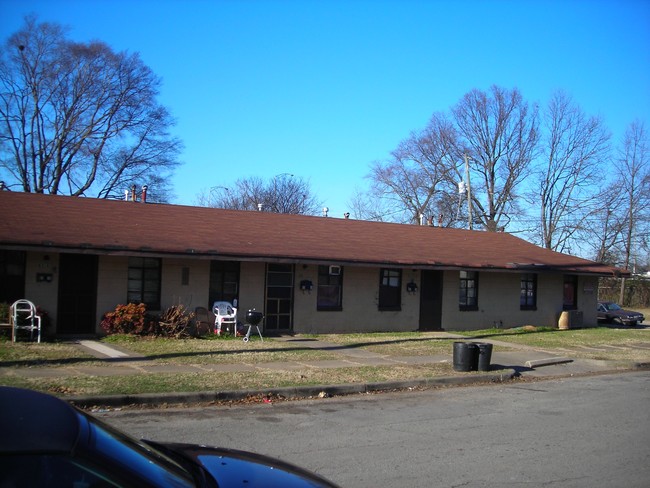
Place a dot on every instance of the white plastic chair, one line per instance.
(23, 317)
(225, 315)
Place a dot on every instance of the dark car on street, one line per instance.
(47, 442)
(610, 312)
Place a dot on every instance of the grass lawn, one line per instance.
(191, 382)
(217, 350)
(616, 344)
(160, 351)
(46, 353)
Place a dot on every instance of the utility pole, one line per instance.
(469, 193)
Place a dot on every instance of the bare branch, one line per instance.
(574, 148)
(501, 132)
(284, 193)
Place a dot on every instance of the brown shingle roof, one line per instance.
(32, 221)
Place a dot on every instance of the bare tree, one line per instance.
(418, 177)
(284, 193)
(633, 172)
(366, 206)
(79, 118)
(243, 194)
(573, 148)
(605, 230)
(500, 131)
(620, 229)
(289, 194)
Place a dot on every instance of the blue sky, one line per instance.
(320, 89)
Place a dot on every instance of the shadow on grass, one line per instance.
(315, 345)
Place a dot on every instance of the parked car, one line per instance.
(47, 442)
(611, 312)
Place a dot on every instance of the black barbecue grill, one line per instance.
(253, 319)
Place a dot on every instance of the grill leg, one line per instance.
(248, 333)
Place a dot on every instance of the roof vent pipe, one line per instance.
(126, 195)
(259, 207)
(133, 193)
(144, 194)
(346, 215)
(421, 219)
(325, 210)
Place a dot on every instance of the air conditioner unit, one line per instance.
(577, 318)
(335, 270)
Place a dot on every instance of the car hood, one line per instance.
(231, 467)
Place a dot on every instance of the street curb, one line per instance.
(303, 392)
(547, 362)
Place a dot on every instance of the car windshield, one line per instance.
(137, 456)
(612, 307)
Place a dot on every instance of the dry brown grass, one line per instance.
(191, 382)
(615, 344)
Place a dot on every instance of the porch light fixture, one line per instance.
(412, 287)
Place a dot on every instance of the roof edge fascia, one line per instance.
(47, 246)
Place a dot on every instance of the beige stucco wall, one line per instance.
(360, 305)
(498, 296)
(174, 292)
(111, 287)
(499, 302)
(588, 300)
(112, 274)
(43, 294)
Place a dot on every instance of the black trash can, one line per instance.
(465, 356)
(484, 355)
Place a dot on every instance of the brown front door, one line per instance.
(431, 300)
(77, 294)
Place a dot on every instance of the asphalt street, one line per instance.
(572, 432)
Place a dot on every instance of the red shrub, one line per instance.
(127, 319)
